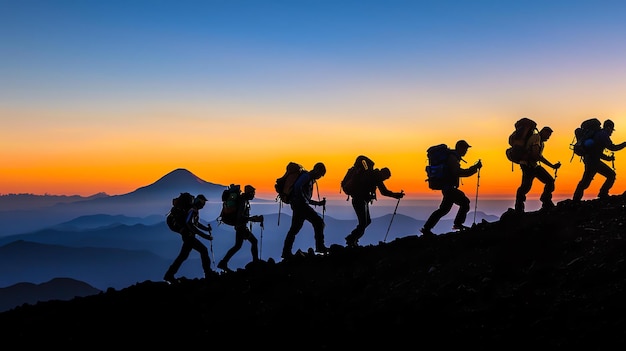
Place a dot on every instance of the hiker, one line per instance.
(451, 192)
(593, 164)
(300, 202)
(191, 242)
(532, 169)
(241, 229)
(361, 202)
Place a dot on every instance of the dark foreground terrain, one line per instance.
(549, 280)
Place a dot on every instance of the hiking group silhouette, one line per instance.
(362, 181)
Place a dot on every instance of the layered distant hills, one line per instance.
(22, 213)
(116, 241)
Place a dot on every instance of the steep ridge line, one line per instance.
(552, 278)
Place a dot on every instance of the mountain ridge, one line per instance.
(552, 278)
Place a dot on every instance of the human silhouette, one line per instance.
(300, 202)
(361, 201)
(241, 229)
(532, 169)
(592, 159)
(451, 193)
(191, 242)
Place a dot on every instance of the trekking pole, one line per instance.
(555, 170)
(261, 243)
(613, 160)
(392, 216)
(318, 199)
(211, 246)
(476, 201)
(280, 205)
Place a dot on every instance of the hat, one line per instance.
(462, 144)
(608, 124)
(320, 168)
(385, 173)
(248, 189)
(199, 200)
(546, 128)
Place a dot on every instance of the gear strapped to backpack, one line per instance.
(518, 140)
(181, 205)
(230, 203)
(284, 184)
(360, 179)
(584, 136)
(438, 174)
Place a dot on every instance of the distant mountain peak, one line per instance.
(180, 176)
(180, 180)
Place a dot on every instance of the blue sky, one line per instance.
(90, 90)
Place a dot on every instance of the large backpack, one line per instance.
(437, 172)
(181, 205)
(284, 184)
(230, 203)
(584, 135)
(360, 179)
(518, 140)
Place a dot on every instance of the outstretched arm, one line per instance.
(204, 227)
(552, 165)
(617, 147)
(386, 192)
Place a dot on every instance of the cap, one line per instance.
(200, 200)
(385, 173)
(248, 189)
(320, 168)
(462, 144)
(548, 129)
(608, 124)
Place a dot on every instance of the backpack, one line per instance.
(284, 184)
(360, 179)
(583, 136)
(230, 202)
(437, 171)
(518, 140)
(181, 204)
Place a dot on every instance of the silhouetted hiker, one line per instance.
(362, 199)
(190, 242)
(241, 230)
(300, 202)
(593, 162)
(451, 192)
(532, 169)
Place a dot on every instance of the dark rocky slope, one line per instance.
(552, 279)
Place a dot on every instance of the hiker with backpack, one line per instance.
(363, 196)
(531, 169)
(450, 190)
(241, 229)
(300, 202)
(592, 159)
(188, 231)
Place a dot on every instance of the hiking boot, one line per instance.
(351, 242)
(170, 279)
(460, 227)
(547, 205)
(603, 196)
(426, 233)
(224, 266)
(286, 255)
(321, 249)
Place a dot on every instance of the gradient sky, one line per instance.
(109, 96)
